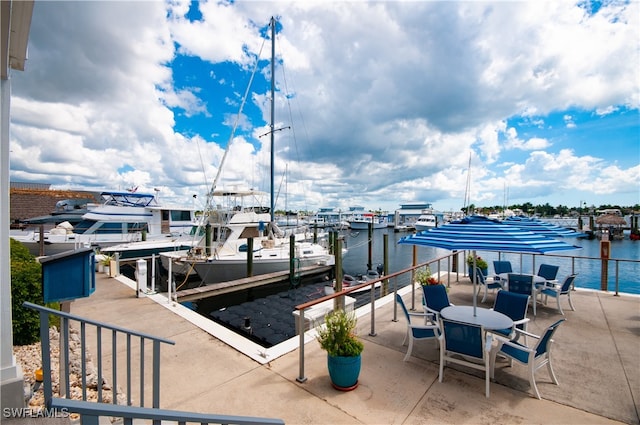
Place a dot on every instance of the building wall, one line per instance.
(29, 203)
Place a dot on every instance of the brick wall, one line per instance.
(29, 203)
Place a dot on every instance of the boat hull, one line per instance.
(360, 225)
(218, 271)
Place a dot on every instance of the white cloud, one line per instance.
(395, 97)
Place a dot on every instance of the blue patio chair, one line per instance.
(515, 306)
(532, 357)
(488, 283)
(523, 284)
(435, 299)
(549, 273)
(558, 291)
(502, 267)
(415, 332)
(467, 345)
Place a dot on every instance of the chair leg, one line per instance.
(570, 303)
(550, 368)
(408, 355)
(532, 379)
(405, 337)
(559, 306)
(535, 301)
(485, 294)
(441, 373)
(487, 371)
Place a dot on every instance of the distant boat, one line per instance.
(362, 221)
(425, 222)
(122, 217)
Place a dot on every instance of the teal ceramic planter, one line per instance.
(344, 371)
(484, 271)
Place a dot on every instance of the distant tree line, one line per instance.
(548, 210)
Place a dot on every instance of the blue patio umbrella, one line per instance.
(479, 233)
(542, 227)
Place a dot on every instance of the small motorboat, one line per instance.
(350, 280)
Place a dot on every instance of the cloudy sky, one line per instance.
(380, 103)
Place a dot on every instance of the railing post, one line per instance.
(156, 374)
(45, 345)
(301, 378)
(142, 371)
(63, 388)
(372, 332)
(413, 277)
(617, 276)
(114, 366)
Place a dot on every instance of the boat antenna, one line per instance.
(467, 194)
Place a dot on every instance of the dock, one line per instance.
(216, 289)
(595, 360)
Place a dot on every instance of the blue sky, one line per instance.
(383, 103)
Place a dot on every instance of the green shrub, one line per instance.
(338, 336)
(26, 285)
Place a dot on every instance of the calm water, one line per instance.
(401, 257)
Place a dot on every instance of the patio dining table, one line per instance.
(538, 282)
(487, 318)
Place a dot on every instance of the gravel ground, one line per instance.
(29, 358)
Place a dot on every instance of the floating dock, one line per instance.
(215, 289)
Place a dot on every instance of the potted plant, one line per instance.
(337, 337)
(480, 263)
(424, 277)
(106, 264)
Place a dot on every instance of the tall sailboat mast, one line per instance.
(273, 116)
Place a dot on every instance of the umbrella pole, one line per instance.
(475, 278)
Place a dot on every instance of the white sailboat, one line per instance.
(226, 257)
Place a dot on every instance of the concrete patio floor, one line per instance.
(595, 357)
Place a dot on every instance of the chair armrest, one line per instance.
(521, 321)
(488, 343)
(527, 333)
(503, 341)
(435, 328)
(431, 312)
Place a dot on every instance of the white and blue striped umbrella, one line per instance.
(542, 227)
(478, 233)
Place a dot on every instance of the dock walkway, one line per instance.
(595, 358)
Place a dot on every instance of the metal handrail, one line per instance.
(92, 411)
(115, 331)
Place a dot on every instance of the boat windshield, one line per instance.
(128, 199)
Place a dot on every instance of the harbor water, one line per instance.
(264, 315)
(587, 263)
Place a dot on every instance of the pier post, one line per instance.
(370, 240)
(605, 252)
(385, 249)
(207, 239)
(338, 302)
(249, 257)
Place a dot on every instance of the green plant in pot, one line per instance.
(480, 263)
(424, 277)
(343, 348)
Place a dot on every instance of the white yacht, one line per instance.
(121, 217)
